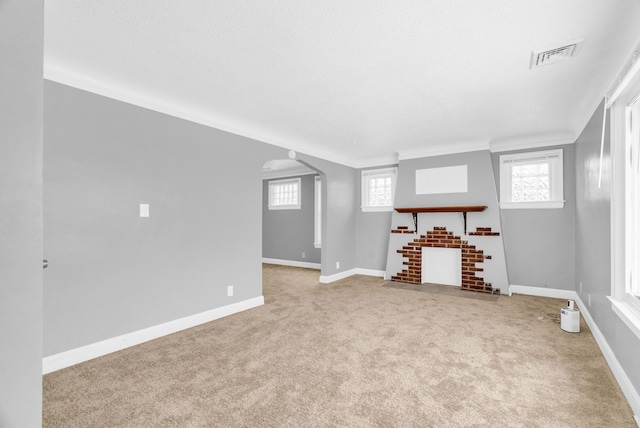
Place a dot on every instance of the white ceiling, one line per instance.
(357, 82)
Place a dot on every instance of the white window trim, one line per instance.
(622, 303)
(364, 175)
(556, 180)
(317, 214)
(296, 206)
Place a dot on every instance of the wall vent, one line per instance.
(555, 54)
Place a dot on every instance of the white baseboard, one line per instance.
(370, 272)
(543, 292)
(95, 350)
(347, 273)
(623, 380)
(291, 263)
(326, 279)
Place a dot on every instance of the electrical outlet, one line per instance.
(581, 286)
(303, 255)
(589, 299)
(229, 290)
(337, 265)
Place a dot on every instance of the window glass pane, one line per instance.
(377, 189)
(284, 193)
(380, 192)
(529, 195)
(544, 194)
(530, 182)
(544, 169)
(633, 201)
(543, 182)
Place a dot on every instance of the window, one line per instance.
(378, 189)
(531, 180)
(632, 214)
(317, 217)
(284, 194)
(625, 201)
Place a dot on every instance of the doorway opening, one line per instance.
(291, 214)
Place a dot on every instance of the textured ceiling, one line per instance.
(357, 82)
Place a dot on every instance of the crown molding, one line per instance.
(524, 143)
(377, 162)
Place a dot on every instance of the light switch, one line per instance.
(144, 210)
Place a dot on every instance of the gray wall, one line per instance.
(286, 234)
(540, 243)
(21, 44)
(372, 232)
(113, 272)
(481, 191)
(593, 246)
(338, 214)
(372, 239)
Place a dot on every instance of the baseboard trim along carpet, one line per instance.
(85, 353)
(370, 272)
(326, 279)
(542, 292)
(292, 263)
(623, 380)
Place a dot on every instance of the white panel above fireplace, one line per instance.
(450, 179)
(442, 266)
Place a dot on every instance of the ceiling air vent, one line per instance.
(555, 54)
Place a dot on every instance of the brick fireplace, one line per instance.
(440, 237)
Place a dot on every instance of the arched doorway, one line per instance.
(291, 214)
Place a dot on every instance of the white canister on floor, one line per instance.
(570, 320)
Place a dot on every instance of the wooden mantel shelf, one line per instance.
(456, 209)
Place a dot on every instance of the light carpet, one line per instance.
(353, 353)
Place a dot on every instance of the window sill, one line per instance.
(376, 209)
(286, 207)
(627, 313)
(531, 205)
